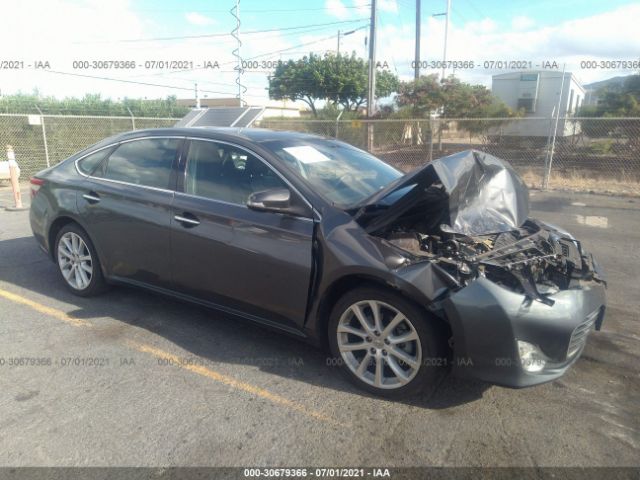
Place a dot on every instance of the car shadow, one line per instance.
(207, 334)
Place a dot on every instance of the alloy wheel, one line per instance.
(74, 260)
(379, 344)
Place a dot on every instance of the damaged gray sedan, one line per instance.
(400, 275)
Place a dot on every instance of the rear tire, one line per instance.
(78, 262)
(397, 356)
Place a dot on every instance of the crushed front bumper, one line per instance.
(487, 321)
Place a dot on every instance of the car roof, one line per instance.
(257, 135)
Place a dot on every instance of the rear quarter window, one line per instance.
(146, 162)
(88, 164)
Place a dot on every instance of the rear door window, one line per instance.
(147, 162)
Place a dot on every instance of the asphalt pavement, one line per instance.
(134, 379)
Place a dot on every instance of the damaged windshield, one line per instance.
(340, 173)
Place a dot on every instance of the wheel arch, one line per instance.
(55, 227)
(349, 282)
(58, 224)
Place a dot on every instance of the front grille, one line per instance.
(565, 249)
(580, 334)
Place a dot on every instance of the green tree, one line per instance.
(614, 101)
(300, 79)
(423, 95)
(337, 79)
(451, 99)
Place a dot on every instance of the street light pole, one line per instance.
(417, 59)
(371, 92)
(372, 61)
(446, 36)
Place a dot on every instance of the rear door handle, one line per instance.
(91, 197)
(187, 221)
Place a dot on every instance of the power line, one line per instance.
(300, 32)
(190, 89)
(270, 10)
(175, 87)
(297, 46)
(274, 52)
(213, 35)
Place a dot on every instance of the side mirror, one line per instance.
(274, 200)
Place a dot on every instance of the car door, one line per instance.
(257, 262)
(126, 206)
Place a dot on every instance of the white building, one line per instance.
(538, 93)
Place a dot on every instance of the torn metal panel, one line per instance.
(484, 194)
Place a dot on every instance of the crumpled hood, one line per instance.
(485, 194)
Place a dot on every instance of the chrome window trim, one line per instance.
(267, 164)
(88, 154)
(240, 205)
(157, 189)
(118, 143)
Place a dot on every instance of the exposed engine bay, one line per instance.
(533, 260)
(469, 214)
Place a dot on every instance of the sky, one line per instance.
(142, 32)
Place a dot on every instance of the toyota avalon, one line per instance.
(399, 275)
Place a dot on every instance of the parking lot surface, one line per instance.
(134, 379)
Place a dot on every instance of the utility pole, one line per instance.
(371, 92)
(446, 36)
(338, 49)
(417, 61)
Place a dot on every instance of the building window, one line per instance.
(526, 104)
(529, 77)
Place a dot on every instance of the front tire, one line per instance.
(384, 343)
(78, 262)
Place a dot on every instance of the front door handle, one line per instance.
(91, 197)
(186, 221)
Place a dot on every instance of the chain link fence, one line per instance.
(585, 154)
(43, 140)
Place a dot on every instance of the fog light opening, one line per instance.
(531, 357)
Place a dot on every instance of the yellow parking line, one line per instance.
(52, 312)
(230, 381)
(175, 360)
